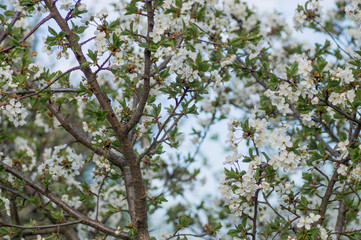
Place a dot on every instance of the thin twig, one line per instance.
(337, 109)
(86, 41)
(338, 45)
(322, 173)
(98, 198)
(53, 90)
(51, 83)
(14, 192)
(2, 224)
(155, 140)
(187, 234)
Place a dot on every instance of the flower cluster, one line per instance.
(100, 42)
(100, 172)
(100, 137)
(353, 12)
(36, 69)
(306, 222)
(74, 201)
(15, 112)
(61, 162)
(6, 203)
(6, 77)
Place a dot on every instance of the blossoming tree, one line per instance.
(91, 141)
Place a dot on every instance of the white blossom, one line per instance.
(15, 112)
(299, 19)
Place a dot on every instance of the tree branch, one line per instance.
(73, 213)
(103, 99)
(337, 109)
(53, 90)
(341, 217)
(147, 73)
(155, 140)
(81, 137)
(2, 224)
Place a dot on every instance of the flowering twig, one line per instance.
(51, 83)
(90, 76)
(332, 37)
(155, 140)
(337, 109)
(103, 64)
(5, 33)
(98, 197)
(29, 34)
(147, 73)
(254, 227)
(86, 41)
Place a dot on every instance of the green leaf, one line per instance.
(57, 214)
(273, 83)
(313, 144)
(92, 55)
(85, 185)
(46, 180)
(3, 135)
(245, 126)
(193, 30)
(356, 63)
(110, 209)
(303, 204)
(27, 3)
(85, 64)
(250, 152)
(52, 31)
(231, 174)
(215, 226)
(116, 41)
(343, 136)
(144, 45)
(81, 29)
(160, 199)
(201, 65)
(178, 3)
(131, 8)
(192, 110)
(114, 25)
(233, 232)
(307, 176)
(266, 156)
(9, 13)
(292, 70)
(14, 42)
(185, 221)
(322, 147)
(101, 115)
(321, 64)
(239, 41)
